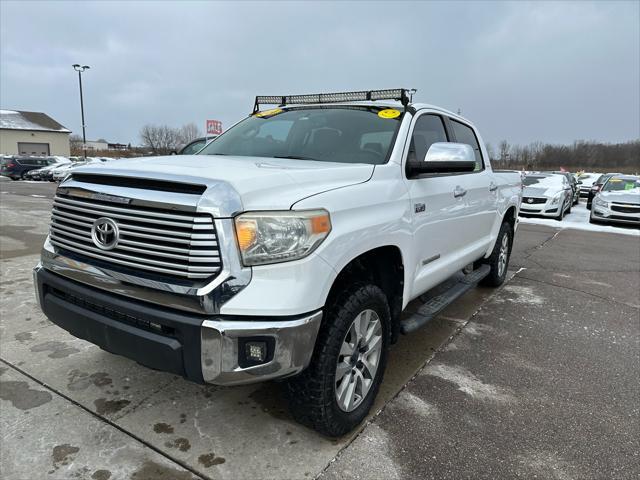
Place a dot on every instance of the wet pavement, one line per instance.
(510, 378)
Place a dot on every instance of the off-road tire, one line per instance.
(311, 394)
(494, 279)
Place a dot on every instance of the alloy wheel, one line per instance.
(503, 256)
(358, 360)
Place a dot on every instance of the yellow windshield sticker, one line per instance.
(389, 113)
(615, 180)
(269, 113)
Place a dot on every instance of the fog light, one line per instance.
(256, 351)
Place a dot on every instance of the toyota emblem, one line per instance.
(105, 233)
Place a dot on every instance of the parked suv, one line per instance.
(16, 168)
(286, 249)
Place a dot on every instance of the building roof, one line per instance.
(18, 120)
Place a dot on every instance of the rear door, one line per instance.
(481, 189)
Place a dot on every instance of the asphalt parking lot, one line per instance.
(538, 379)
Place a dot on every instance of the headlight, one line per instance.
(601, 203)
(555, 199)
(273, 237)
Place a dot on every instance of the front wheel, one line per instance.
(560, 215)
(499, 259)
(335, 393)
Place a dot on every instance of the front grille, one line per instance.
(625, 208)
(154, 240)
(534, 200)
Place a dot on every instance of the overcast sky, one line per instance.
(547, 71)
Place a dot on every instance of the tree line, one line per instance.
(580, 155)
(155, 140)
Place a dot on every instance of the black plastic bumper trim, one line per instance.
(177, 353)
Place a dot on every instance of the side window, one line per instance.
(464, 134)
(428, 130)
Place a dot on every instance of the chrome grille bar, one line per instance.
(156, 240)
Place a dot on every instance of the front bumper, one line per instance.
(541, 209)
(603, 214)
(200, 348)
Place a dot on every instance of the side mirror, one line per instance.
(444, 157)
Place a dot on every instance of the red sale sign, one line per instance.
(214, 127)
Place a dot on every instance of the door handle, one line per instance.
(459, 192)
(493, 187)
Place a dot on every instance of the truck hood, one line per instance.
(260, 183)
(626, 196)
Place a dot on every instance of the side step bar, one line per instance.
(431, 308)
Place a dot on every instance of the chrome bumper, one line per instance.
(294, 341)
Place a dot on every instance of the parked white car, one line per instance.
(61, 172)
(618, 201)
(586, 181)
(546, 195)
(287, 248)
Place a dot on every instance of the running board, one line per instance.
(431, 308)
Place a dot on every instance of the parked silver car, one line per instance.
(547, 195)
(618, 201)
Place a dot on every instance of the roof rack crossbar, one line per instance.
(401, 94)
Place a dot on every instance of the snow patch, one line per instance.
(416, 405)
(468, 383)
(578, 219)
(524, 295)
(477, 329)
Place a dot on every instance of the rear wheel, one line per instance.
(23, 176)
(335, 393)
(499, 259)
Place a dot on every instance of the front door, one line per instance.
(438, 211)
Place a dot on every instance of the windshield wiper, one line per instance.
(296, 157)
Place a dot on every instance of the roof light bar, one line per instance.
(401, 94)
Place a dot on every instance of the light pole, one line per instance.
(81, 69)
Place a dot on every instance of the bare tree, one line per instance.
(161, 139)
(189, 132)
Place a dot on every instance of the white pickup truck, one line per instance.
(287, 248)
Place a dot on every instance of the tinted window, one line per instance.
(465, 134)
(192, 148)
(429, 129)
(329, 134)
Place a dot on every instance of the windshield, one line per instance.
(353, 134)
(620, 184)
(542, 181)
